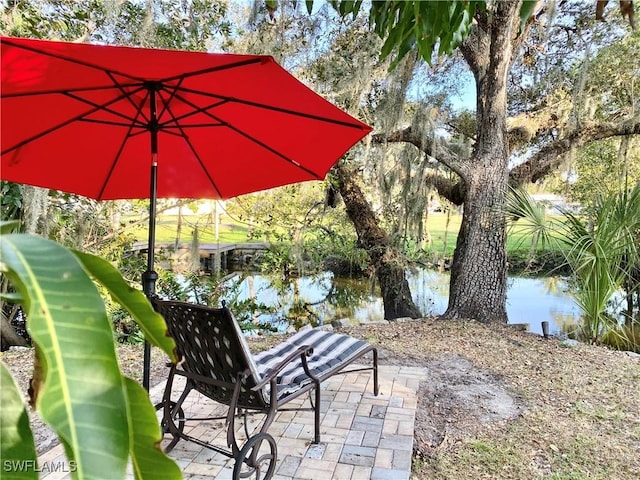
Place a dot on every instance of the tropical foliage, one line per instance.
(104, 419)
(602, 249)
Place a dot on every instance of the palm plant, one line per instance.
(601, 250)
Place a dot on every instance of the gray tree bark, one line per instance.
(478, 286)
(388, 262)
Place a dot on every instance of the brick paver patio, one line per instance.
(363, 437)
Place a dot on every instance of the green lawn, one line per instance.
(443, 232)
(444, 236)
(167, 225)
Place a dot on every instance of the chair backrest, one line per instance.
(211, 344)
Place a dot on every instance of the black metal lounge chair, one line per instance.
(216, 361)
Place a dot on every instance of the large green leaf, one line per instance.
(17, 450)
(528, 6)
(419, 26)
(83, 397)
(148, 459)
(134, 301)
(7, 227)
(102, 418)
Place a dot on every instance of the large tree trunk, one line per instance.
(479, 270)
(387, 261)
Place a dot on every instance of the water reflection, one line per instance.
(319, 299)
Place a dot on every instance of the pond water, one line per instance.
(325, 298)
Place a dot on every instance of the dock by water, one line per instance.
(212, 256)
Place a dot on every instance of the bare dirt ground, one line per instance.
(495, 403)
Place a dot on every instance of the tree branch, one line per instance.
(447, 188)
(551, 155)
(522, 131)
(434, 148)
(473, 47)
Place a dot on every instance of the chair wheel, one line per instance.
(257, 458)
(177, 419)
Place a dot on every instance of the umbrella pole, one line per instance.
(149, 277)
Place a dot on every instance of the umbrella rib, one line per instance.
(168, 132)
(273, 150)
(133, 120)
(113, 122)
(195, 152)
(218, 68)
(239, 63)
(144, 87)
(172, 95)
(49, 130)
(271, 107)
(166, 127)
(196, 110)
(255, 140)
(104, 107)
(139, 113)
(114, 163)
(68, 90)
(8, 41)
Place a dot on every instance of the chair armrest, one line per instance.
(302, 351)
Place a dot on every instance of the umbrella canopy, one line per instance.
(112, 123)
(85, 119)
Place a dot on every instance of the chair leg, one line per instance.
(172, 411)
(171, 414)
(376, 385)
(316, 419)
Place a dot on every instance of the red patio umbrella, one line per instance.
(112, 122)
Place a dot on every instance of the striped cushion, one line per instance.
(330, 352)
